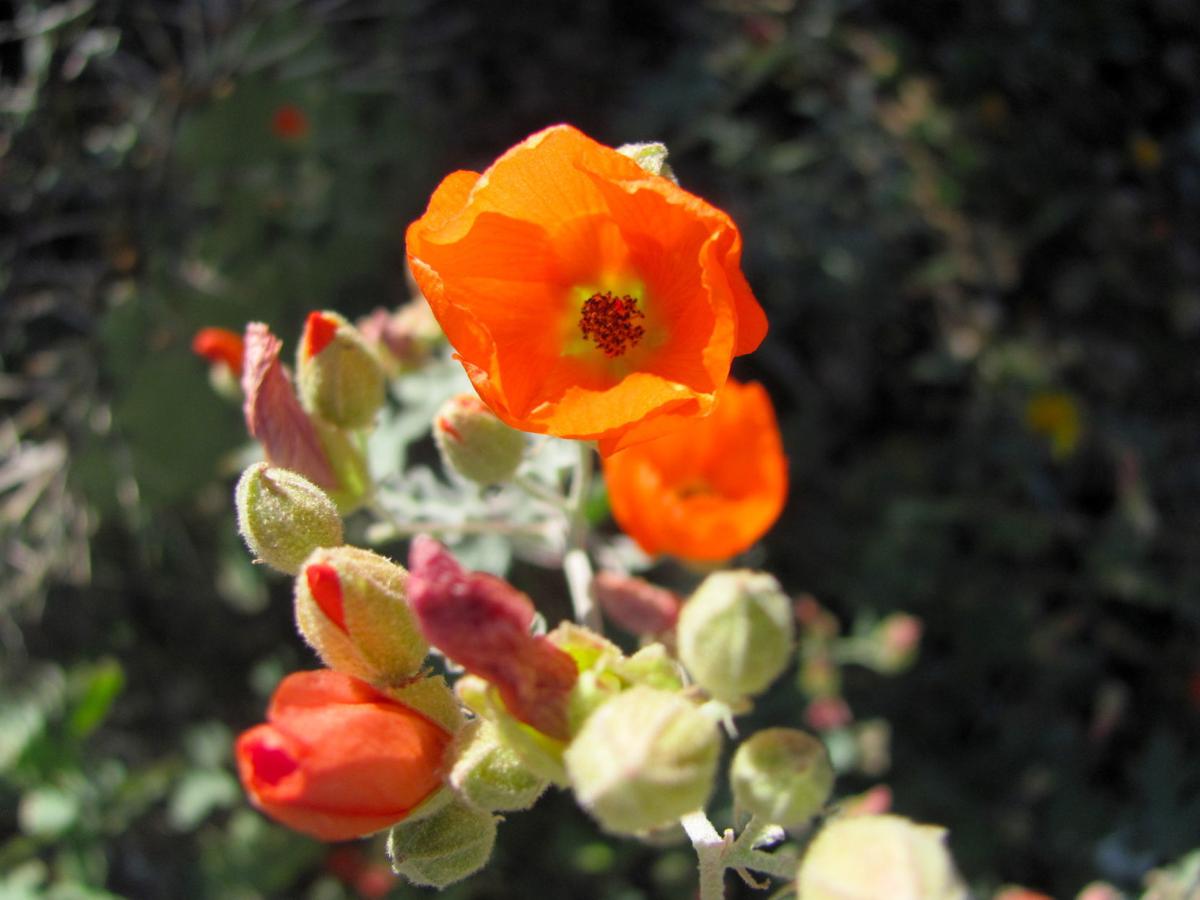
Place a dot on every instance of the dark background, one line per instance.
(951, 210)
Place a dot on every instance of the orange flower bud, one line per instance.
(337, 759)
(220, 345)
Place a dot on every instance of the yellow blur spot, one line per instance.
(1056, 415)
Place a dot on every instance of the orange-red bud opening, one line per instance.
(219, 345)
(337, 759)
(319, 331)
(326, 589)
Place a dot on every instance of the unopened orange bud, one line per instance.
(220, 346)
(338, 759)
(352, 607)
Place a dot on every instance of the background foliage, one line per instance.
(973, 226)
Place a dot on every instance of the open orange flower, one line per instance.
(337, 759)
(708, 489)
(586, 297)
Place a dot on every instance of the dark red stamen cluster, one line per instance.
(609, 322)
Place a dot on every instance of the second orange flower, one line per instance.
(586, 297)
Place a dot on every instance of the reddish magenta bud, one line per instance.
(635, 604)
(338, 759)
(274, 416)
(220, 345)
(482, 623)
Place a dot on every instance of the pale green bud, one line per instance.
(781, 775)
(352, 607)
(652, 157)
(643, 759)
(432, 698)
(283, 517)
(735, 633)
(340, 378)
(475, 443)
(869, 857)
(442, 848)
(487, 773)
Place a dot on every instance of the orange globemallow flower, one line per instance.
(708, 489)
(586, 297)
(338, 759)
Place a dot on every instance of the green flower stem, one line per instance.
(717, 853)
(576, 565)
(539, 491)
(710, 849)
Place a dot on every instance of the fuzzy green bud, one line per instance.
(349, 465)
(868, 857)
(488, 774)
(781, 775)
(652, 157)
(442, 848)
(283, 517)
(474, 443)
(340, 378)
(735, 633)
(643, 759)
(352, 607)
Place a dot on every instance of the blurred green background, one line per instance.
(973, 226)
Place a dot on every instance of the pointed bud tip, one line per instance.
(319, 331)
(326, 589)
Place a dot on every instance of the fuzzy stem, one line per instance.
(576, 565)
(709, 847)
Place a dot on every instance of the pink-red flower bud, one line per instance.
(274, 416)
(482, 623)
(635, 604)
(338, 759)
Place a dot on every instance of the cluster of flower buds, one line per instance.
(633, 736)
(310, 429)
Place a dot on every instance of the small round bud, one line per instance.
(283, 517)
(442, 848)
(488, 774)
(735, 633)
(868, 857)
(781, 775)
(652, 157)
(475, 443)
(352, 607)
(643, 759)
(340, 379)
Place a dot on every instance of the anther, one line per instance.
(609, 322)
